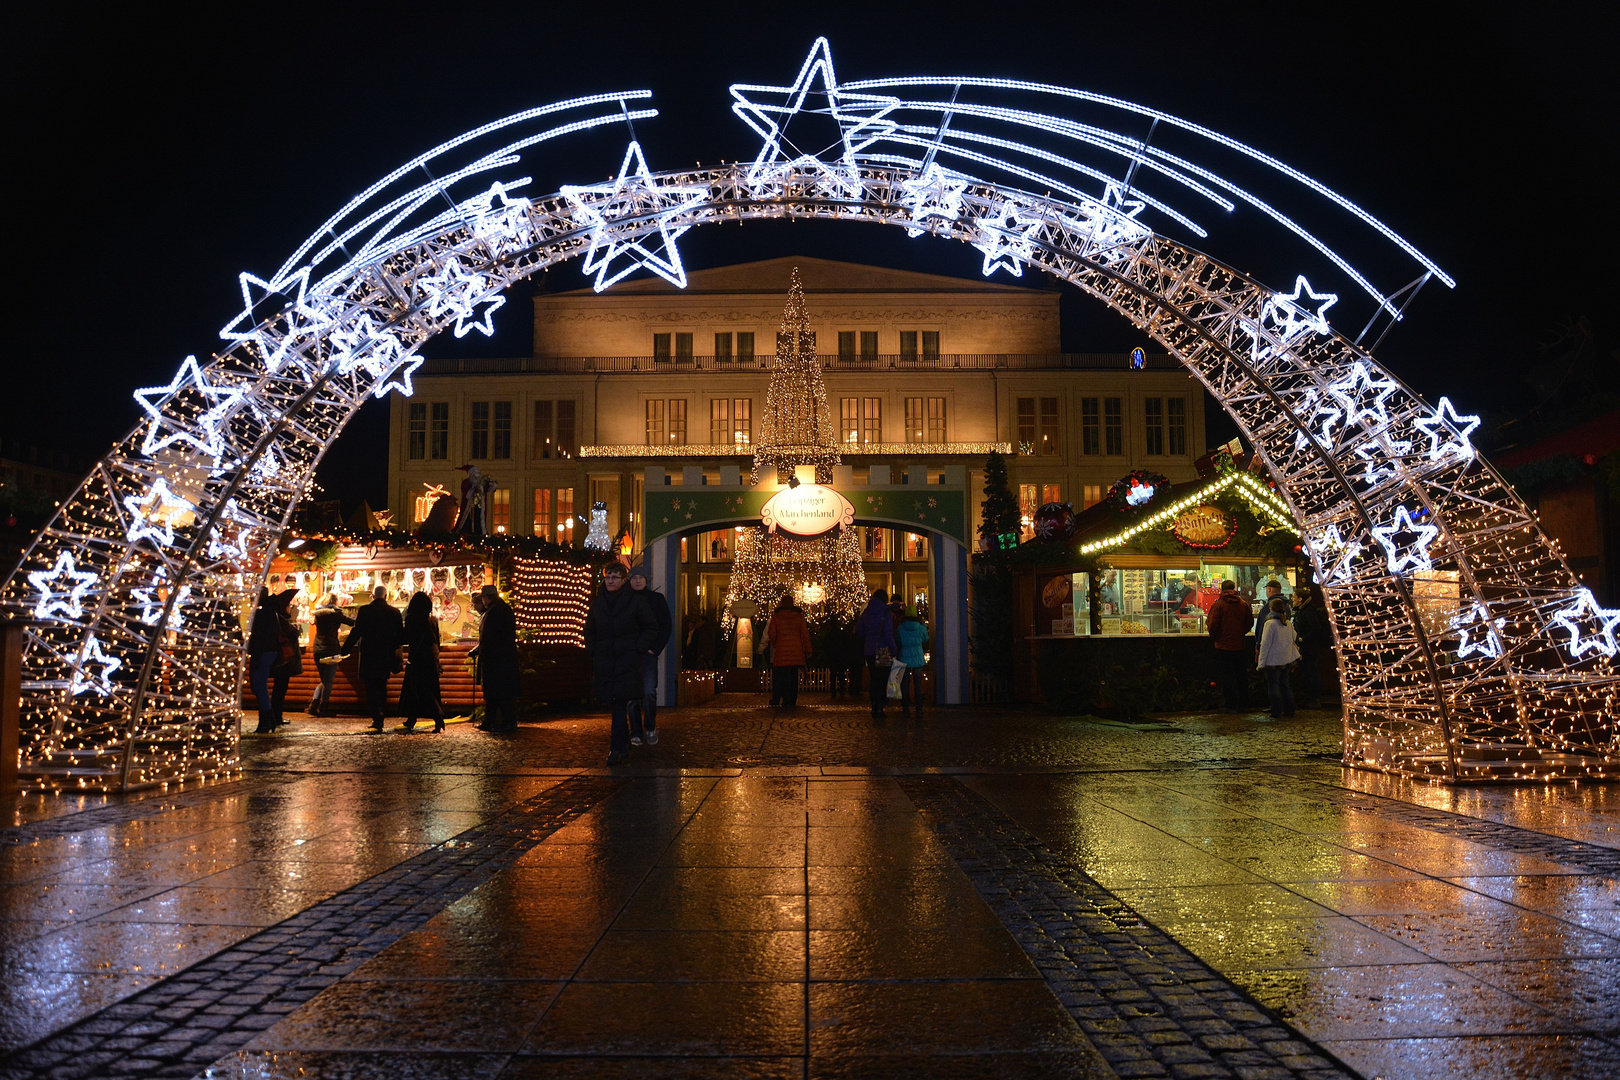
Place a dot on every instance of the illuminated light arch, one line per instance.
(1464, 637)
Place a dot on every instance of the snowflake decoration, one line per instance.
(624, 206)
(1404, 558)
(61, 589)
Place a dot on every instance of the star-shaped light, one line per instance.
(1577, 620)
(1379, 455)
(61, 589)
(301, 315)
(1114, 222)
(934, 194)
(155, 514)
(616, 212)
(508, 222)
(1404, 558)
(1448, 433)
(151, 604)
(1486, 643)
(1362, 393)
(205, 432)
(83, 679)
(862, 118)
(1007, 238)
(1341, 552)
(1324, 416)
(1291, 318)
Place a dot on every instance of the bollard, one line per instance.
(11, 646)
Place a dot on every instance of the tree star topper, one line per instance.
(617, 213)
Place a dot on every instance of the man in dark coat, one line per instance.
(1314, 637)
(378, 632)
(644, 713)
(497, 655)
(1228, 624)
(619, 631)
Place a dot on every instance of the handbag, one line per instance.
(897, 673)
(883, 658)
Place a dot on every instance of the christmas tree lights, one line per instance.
(796, 427)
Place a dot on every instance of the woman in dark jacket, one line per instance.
(269, 674)
(619, 631)
(328, 619)
(420, 692)
(876, 631)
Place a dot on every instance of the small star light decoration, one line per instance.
(1006, 237)
(935, 194)
(631, 222)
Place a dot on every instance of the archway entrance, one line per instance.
(136, 589)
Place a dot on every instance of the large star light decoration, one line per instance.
(1339, 552)
(1290, 317)
(1448, 433)
(1319, 408)
(205, 432)
(61, 589)
(1381, 455)
(101, 682)
(1405, 558)
(1362, 394)
(509, 221)
(1007, 238)
(1573, 619)
(1115, 221)
(300, 313)
(935, 194)
(862, 120)
(617, 214)
(453, 290)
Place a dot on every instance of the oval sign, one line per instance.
(807, 510)
(1205, 526)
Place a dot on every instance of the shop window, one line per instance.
(416, 430)
(655, 422)
(500, 510)
(1153, 424)
(731, 421)
(874, 544)
(439, 430)
(916, 593)
(1175, 414)
(1114, 426)
(554, 429)
(1090, 426)
(915, 548)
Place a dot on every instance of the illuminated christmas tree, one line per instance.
(797, 425)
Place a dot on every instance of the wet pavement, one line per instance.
(976, 893)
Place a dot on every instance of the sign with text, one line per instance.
(807, 510)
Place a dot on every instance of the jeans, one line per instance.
(1310, 677)
(1278, 690)
(785, 686)
(878, 677)
(1232, 668)
(619, 739)
(327, 672)
(377, 698)
(644, 712)
(268, 700)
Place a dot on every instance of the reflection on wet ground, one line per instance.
(761, 897)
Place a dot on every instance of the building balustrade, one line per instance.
(591, 365)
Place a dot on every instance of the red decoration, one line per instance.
(1054, 521)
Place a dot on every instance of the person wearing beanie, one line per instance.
(644, 712)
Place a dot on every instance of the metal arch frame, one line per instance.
(153, 525)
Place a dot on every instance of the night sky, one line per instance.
(154, 157)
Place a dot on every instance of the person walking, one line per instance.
(912, 636)
(619, 631)
(644, 713)
(498, 670)
(1277, 652)
(878, 646)
(789, 635)
(329, 619)
(835, 646)
(378, 633)
(420, 693)
(1313, 637)
(1228, 625)
(267, 674)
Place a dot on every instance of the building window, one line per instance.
(1153, 424)
(439, 431)
(677, 421)
(655, 422)
(745, 348)
(923, 344)
(480, 429)
(554, 514)
(554, 429)
(416, 432)
(1051, 493)
(863, 343)
(936, 419)
(542, 512)
(871, 420)
(722, 348)
(849, 420)
(874, 544)
(785, 347)
(1027, 505)
(846, 344)
(1026, 425)
(500, 510)
(731, 421)
(915, 549)
(1050, 441)
(716, 546)
(915, 429)
(1094, 494)
(661, 348)
(1175, 411)
(1090, 426)
(1113, 426)
(502, 447)
(683, 348)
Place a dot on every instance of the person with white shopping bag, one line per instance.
(912, 634)
(876, 631)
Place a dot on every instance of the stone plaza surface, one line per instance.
(975, 893)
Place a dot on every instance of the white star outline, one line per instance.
(381, 354)
(1352, 391)
(50, 600)
(1417, 555)
(219, 546)
(101, 683)
(1007, 239)
(1318, 406)
(152, 607)
(1489, 642)
(208, 438)
(456, 291)
(937, 193)
(1390, 449)
(508, 222)
(148, 514)
(1342, 551)
(274, 348)
(630, 196)
(1114, 222)
(856, 132)
(1586, 607)
(1291, 318)
(1448, 436)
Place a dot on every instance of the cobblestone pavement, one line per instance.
(976, 893)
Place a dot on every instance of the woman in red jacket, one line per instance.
(789, 635)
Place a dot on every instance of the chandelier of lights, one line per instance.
(1468, 648)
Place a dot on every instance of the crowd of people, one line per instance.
(1287, 634)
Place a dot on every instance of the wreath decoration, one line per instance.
(1135, 490)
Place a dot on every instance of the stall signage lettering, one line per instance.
(1204, 526)
(807, 510)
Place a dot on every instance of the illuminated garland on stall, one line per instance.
(1253, 490)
